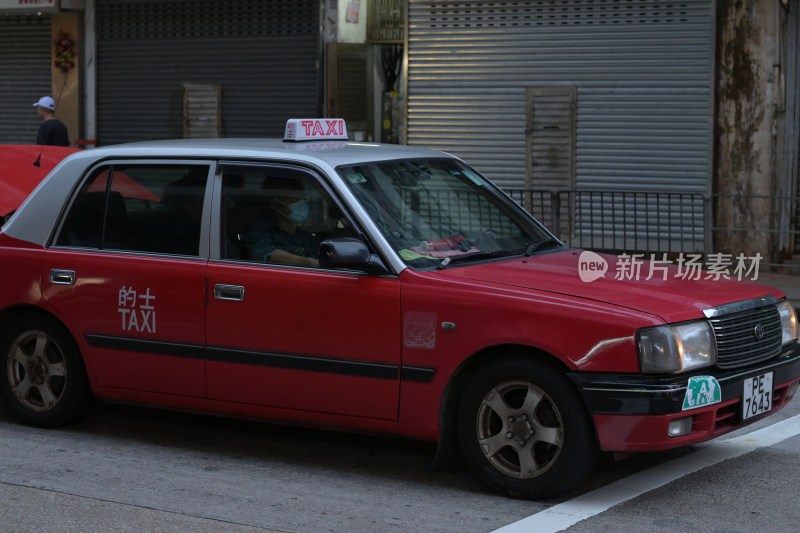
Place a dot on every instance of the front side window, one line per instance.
(138, 208)
(432, 210)
(277, 215)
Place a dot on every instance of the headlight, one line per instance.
(676, 348)
(788, 322)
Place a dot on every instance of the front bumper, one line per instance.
(632, 412)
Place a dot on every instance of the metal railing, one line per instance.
(665, 222)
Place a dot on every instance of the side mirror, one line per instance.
(345, 252)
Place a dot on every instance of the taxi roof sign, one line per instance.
(315, 129)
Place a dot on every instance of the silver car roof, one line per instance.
(333, 153)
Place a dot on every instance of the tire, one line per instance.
(524, 431)
(42, 378)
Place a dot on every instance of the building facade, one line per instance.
(687, 97)
(139, 61)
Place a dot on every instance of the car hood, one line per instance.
(665, 295)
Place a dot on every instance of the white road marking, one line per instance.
(566, 514)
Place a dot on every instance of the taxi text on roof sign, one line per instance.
(315, 129)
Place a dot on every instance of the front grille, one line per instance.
(737, 342)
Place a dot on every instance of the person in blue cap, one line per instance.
(51, 131)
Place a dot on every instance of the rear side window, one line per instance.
(138, 208)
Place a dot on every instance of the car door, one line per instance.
(289, 336)
(127, 270)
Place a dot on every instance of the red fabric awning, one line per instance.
(19, 176)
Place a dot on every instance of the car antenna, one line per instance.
(38, 162)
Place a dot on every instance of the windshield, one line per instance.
(438, 211)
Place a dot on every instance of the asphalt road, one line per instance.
(136, 469)
(757, 492)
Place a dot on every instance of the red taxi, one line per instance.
(371, 288)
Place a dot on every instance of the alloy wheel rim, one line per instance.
(519, 429)
(36, 370)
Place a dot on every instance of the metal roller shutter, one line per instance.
(642, 70)
(264, 55)
(24, 75)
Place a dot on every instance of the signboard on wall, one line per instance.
(29, 6)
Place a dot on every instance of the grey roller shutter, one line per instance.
(642, 71)
(263, 54)
(24, 75)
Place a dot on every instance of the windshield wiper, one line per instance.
(476, 255)
(537, 246)
(532, 248)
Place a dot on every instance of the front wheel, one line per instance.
(42, 378)
(524, 431)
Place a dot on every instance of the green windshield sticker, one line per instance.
(473, 177)
(410, 255)
(356, 178)
(702, 391)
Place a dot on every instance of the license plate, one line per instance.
(757, 395)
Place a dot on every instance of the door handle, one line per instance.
(62, 277)
(234, 293)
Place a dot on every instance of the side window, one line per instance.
(277, 215)
(83, 225)
(139, 208)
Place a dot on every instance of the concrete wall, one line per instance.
(749, 99)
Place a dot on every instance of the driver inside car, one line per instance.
(281, 237)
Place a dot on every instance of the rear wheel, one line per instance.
(524, 431)
(42, 378)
